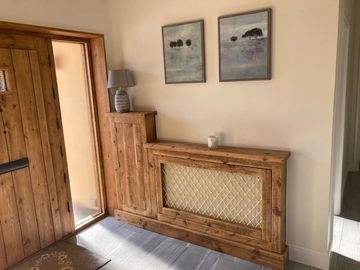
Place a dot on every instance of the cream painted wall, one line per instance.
(293, 111)
(81, 15)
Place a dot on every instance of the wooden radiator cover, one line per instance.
(227, 199)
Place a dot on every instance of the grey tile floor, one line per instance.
(346, 232)
(132, 248)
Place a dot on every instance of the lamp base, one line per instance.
(121, 101)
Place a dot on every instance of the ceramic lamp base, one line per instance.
(121, 101)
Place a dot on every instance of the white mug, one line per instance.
(212, 142)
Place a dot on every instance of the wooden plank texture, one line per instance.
(3, 260)
(99, 69)
(32, 135)
(11, 242)
(56, 139)
(16, 149)
(38, 91)
(222, 151)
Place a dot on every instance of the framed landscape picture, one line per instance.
(183, 48)
(245, 46)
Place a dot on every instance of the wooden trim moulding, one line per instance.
(259, 155)
(45, 31)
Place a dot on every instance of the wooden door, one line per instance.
(129, 132)
(35, 201)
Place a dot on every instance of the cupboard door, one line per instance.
(131, 193)
(227, 201)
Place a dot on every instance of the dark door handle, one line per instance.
(14, 165)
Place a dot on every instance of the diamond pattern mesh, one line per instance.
(232, 197)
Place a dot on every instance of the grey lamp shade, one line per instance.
(120, 78)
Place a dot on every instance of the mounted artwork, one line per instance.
(245, 46)
(183, 47)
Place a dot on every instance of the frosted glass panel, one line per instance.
(76, 113)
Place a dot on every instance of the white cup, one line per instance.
(212, 142)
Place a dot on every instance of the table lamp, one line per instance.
(121, 79)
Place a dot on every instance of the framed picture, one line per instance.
(183, 47)
(245, 46)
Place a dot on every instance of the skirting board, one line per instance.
(309, 257)
(271, 259)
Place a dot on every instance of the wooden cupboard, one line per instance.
(228, 199)
(129, 131)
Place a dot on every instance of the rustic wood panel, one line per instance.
(49, 166)
(11, 239)
(46, 31)
(129, 132)
(250, 154)
(3, 261)
(56, 138)
(32, 135)
(16, 149)
(12, 41)
(10, 224)
(99, 69)
(279, 207)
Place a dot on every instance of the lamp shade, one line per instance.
(120, 78)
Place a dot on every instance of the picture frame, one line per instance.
(244, 41)
(184, 52)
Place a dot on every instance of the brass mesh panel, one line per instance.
(232, 197)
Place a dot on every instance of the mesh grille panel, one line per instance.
(232, 197)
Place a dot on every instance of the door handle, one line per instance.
(14, 165)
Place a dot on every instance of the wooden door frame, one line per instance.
(98, 73)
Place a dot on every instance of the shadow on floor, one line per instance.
(339, 262)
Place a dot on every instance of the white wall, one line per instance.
(81, 15)
(293, 111)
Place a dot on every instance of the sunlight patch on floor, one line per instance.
(346, 238)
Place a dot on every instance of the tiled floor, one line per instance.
(346, 231)
(132, 248)
(82, 213)
(346, 238)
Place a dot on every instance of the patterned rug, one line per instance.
(62, 256)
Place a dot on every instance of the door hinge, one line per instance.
(61, 151)
(68, 206)
(65, 177)
(49, 60)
